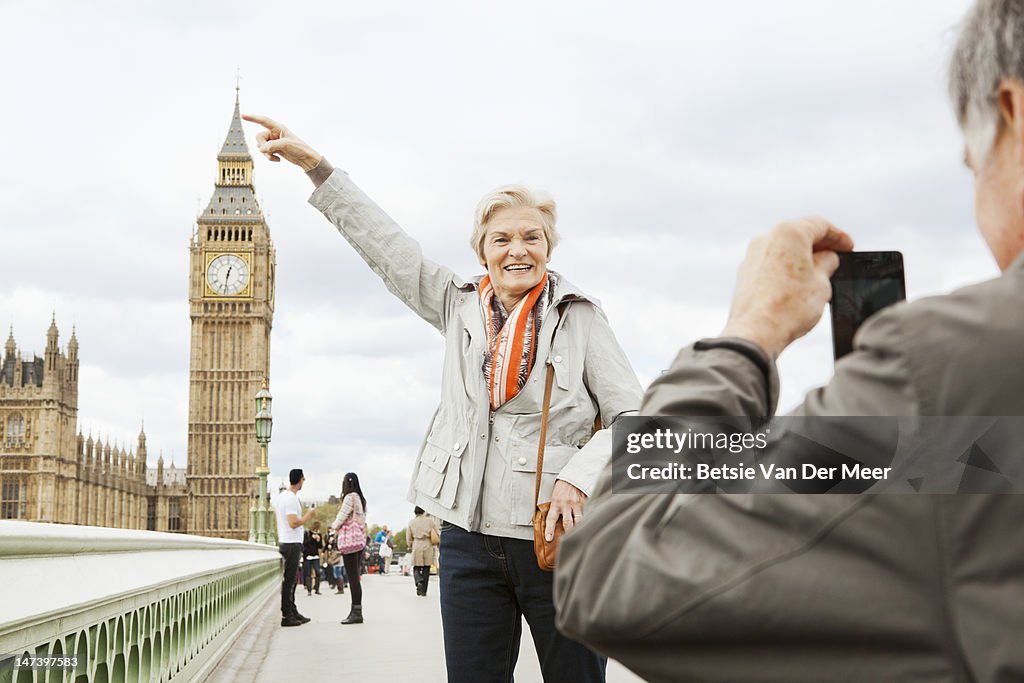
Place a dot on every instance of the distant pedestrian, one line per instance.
(335, 567)
(383, 556)
(312, 545)
(351, 533)
(325, 558)
(290, 521)
(423, 536)
(387, 551)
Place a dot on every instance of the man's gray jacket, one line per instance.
(827, 587)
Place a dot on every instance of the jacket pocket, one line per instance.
(439, 470)
(524, 477)
(562, 363)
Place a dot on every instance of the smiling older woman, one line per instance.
(477, 466)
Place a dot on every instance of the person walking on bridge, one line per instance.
(351, 534)
(421, 535)
(290, 521)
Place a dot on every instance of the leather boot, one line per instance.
(355, 616)
(341, 586)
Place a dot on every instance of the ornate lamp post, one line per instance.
(260, 530)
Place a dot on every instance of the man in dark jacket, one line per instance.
(312, 546)
(835, 587)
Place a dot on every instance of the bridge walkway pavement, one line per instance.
(400, 641)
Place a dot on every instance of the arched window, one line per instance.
(12, 499)
(173, 515)
(16, 428)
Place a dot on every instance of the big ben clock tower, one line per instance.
(231, 299)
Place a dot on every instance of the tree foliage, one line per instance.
(325, 514)
(401, 544)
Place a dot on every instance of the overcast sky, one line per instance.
(669, 134)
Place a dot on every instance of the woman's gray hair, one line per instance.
(513, 196)
(989, 49)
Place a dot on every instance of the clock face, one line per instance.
(227, 274)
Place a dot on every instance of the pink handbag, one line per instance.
(351, 536)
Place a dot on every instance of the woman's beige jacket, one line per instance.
(476, 468)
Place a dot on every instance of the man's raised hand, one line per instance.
(783, 283)
(277, 142)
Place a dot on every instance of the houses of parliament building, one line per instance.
(50, 472)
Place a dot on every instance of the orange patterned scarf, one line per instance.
(511, 338)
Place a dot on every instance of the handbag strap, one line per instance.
(544, 415)
(543, 431)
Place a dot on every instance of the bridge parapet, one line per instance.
(129, 605)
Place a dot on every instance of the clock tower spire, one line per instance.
(231, 301)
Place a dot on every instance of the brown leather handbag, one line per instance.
(545, 551)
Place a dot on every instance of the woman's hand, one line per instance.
(567, 503)
(277, 141)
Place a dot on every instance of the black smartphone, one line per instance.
(865, 282)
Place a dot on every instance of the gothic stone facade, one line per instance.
(50, 473)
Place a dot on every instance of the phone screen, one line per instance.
(865, 282)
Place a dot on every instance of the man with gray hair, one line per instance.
(834, 587)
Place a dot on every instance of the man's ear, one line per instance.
(1010, 99)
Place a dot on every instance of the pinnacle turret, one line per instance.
(234, 147)
(52, 333)
(140, 464)
(12, 346)
(233, 196)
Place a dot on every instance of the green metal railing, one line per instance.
(125, 605)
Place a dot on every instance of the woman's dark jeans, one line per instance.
(488, 584)
(351, 562)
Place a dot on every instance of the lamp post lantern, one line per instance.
(261, 531)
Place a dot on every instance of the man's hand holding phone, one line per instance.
(783, 282)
